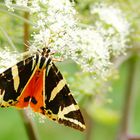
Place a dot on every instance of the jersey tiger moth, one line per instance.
(36, 82)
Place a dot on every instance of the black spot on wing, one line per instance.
(26, 99)
(49, 113)
(42, 107)
(10, 102)
(33, 100)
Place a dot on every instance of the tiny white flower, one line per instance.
(9, 3)
(22, 2)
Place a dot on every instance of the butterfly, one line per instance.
(36, 82)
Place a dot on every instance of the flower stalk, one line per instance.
(129, 100)
(28, 122)
(26, 31)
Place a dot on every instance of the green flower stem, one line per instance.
(89, 125)
(29, 126)
(129, 96)
(8, 38)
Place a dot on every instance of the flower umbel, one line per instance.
(118, 27)
(92, 47)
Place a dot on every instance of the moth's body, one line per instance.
(36, 82)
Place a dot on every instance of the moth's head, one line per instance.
(45, 52)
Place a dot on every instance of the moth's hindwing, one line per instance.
(13, 81)
(60, 105)
(37, 96)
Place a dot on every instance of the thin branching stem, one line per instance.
(17, 16)
(8, 38)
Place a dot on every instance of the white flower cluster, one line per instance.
(92, 46)
(52, 22)
(118, 28)
(9, 3)
(59, 30)
(87, 48)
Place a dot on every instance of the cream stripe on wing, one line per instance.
(57, 89)
(45, 63)
(15, 75)
(33, 63)
(66, 110)
(2, 92)
(74, 121)
(39, 60)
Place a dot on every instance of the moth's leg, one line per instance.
(57, 59)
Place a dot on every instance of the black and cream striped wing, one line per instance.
(14, 80)
(60, 105)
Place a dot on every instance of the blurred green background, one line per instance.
(106, 123)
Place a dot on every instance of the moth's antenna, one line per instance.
(28, 44)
